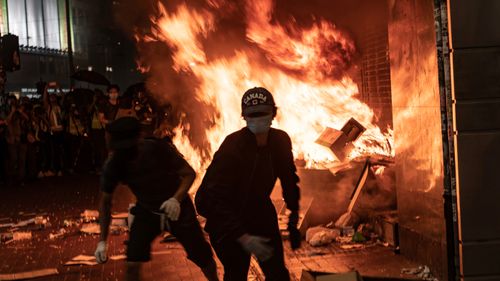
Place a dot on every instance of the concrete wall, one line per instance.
(417, 131)
(475, 55)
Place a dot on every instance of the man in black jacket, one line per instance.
(235, 193)
(160, 178)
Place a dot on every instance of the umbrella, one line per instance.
(135, 88)
(90, 77)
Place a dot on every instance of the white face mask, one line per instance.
(259, 125)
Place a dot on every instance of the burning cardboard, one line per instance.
(340, 142)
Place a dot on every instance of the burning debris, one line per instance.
(341, 142)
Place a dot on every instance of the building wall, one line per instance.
(375, 71)
(417, 133)
(44, 40)
(475, 70)
(36, 67)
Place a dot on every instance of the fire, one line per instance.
(304, 68)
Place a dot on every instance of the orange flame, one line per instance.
(305, 69)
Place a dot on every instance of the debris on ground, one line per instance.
(348, 231)
(358, 237)
(320, 236)
(82, 260)
(29, 274)
(423, 272)
(119, 222)
(352, 246)
(89, 215)
(70, 223)
(22, 235)
(4, 237)
(121, 215)
(57, 234)
(118, 257)
(90, 228)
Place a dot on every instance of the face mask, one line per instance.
(259, 125)
(113, 96)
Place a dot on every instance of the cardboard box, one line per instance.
(340, 142)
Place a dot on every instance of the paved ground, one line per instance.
(66, 197)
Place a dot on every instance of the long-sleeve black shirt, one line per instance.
(235, 193)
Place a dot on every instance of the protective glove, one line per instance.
(257, 246)
(172, 208)
(101, 253)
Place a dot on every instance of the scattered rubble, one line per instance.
(70, 223)
(121, 215)
(90, 228)
(89, 215)
(58, 234)
(422, 272)
(118, 257)
(82, 260)
(21, 235)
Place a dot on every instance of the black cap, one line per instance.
(257, 99)
(124, 132)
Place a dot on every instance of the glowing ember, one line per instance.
(304, 68)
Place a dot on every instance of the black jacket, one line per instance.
(235, 193)
(150, 170)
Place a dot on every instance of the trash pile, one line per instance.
(86, 223)
(348, 237)
(422, 272)
(22, 229)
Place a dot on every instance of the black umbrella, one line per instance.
(90, 77)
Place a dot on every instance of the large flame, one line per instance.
(304, 68)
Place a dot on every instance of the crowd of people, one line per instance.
(52, 135)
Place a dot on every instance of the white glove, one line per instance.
(172, 208)
(101, 253)
(257, 246)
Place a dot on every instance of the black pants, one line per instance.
(236, 260)
(99, 153)
(187, 230)
(17, 162)
(56, 141)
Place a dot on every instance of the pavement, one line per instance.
(62, 198)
